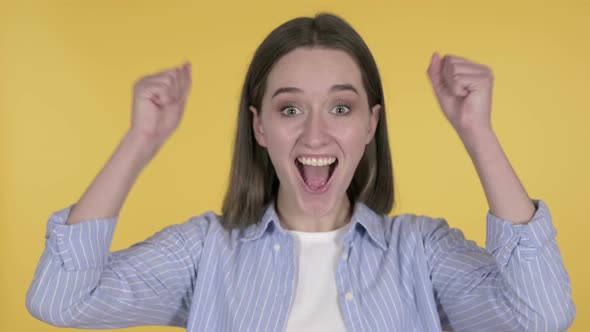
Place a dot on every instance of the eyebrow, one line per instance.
(334, 88)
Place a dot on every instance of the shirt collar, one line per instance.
(362, 215)
(373, 223)
(255, 231)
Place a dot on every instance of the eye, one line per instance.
(290, 110)
(341, 109)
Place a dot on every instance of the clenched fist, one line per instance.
(158, 103)
(463, 89)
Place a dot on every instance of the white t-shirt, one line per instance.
(315, 307)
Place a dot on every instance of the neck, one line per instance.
(292, 218)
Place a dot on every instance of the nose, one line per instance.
(314, 133)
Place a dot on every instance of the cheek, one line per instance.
(353, 136)
(280, 134)
(279, 143)
(355, 147)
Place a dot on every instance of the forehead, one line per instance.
(314, 70)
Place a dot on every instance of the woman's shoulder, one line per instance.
(403, 222)
(201, 224)
(414, 227)
(426, 225)
(207, 225)
(398, 228)
(415, 221)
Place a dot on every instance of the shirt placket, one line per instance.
(347, 296)
(286, 258)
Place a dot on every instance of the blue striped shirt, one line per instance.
(403, 273)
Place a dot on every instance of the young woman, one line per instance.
(304, 242)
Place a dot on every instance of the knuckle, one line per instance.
(162, 88)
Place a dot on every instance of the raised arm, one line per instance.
(78, 282)
(464, 92)
(158, 105)
(527, 287)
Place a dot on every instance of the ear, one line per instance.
(373, 121)
(257, 127)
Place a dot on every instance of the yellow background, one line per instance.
(67, 68)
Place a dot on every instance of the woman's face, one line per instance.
(315, 122)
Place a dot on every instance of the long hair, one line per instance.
(253, 180)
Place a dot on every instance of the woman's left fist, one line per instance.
(464, 92)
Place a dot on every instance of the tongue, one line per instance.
(316, 176)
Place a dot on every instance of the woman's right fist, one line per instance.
(158, 103)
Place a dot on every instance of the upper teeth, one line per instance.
(316, 161)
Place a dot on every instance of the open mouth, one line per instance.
(316, 173)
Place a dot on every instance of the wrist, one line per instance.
(138, 147)
(475, 136)
(480, 142)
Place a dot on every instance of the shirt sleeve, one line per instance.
(79, 283)
(518, 284)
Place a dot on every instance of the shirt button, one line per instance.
(345, 256)
(277, 247)
(349, 296)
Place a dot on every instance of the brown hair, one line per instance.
(253, 181)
